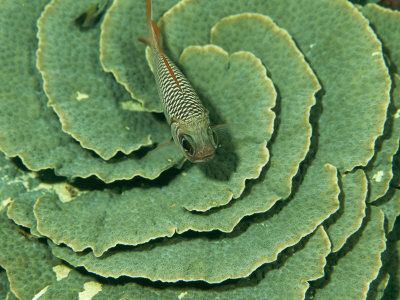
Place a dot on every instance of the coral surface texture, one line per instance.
(300, 200)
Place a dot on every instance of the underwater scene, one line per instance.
(199, 149)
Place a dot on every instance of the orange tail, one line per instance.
(154, 39)
(154, 36)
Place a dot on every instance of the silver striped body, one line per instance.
(187, 117)
(178, 103)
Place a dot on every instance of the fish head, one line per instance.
(196, 139)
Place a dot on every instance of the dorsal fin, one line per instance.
(170, 71)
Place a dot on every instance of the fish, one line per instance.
(186, 115)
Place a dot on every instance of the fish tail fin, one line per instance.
(145, 40)
(154, 40)
(148, 12)
(154, 37)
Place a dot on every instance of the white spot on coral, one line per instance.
(376, 53)
(397, 114)
(91, 289)
(312, 45)
(127, 128)
(4, 203)
(378, 176)
(81, 96)
(184, 173)
(65, 192)
(181, 295)
(40, 294)
(169, 159)
(61, 271)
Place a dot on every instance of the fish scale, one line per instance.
(180, 102)
(186, 115)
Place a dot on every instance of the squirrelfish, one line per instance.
(188, 118)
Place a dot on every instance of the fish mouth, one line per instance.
(204, 159)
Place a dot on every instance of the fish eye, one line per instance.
(213, 137)
(186, 145)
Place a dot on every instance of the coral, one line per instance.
(300, 200)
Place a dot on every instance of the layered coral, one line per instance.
(300, 200)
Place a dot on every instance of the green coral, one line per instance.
(300, 201)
